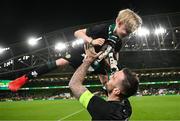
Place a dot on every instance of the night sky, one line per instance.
(22, 18)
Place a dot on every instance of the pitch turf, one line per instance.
(144, 108)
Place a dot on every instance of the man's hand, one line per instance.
(98, 42)
(77, 79)
(91, 55)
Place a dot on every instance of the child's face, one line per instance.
(121, 30)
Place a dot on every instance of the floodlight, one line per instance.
(33, 41)
(160, 31)
(60, 46)
(143, 31)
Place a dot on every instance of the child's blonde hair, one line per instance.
(131, 20)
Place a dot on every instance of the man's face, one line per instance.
(115, 81)
(121, 30)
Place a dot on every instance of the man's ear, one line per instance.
(117, 91)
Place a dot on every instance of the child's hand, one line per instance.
(98, 42)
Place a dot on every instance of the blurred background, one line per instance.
(33, 33)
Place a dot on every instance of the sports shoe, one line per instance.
(16, 84)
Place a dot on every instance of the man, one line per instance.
(121, 85)
(98, 36)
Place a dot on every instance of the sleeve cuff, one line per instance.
(85, 98)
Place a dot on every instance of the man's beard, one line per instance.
(109, 91)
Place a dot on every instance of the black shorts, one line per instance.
(75, 58)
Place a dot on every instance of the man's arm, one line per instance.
(77, 79)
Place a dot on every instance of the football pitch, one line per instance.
(144, 108)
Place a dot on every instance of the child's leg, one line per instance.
(19, 82)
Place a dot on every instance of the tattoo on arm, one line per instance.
(77, 79)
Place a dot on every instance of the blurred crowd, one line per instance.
(53, 94)
(160, 91)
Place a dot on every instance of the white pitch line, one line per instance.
(70, 115)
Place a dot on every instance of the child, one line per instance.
(100, 37)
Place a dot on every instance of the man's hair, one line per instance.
(131, 19)
(130, 83)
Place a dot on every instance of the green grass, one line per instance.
(144, 108)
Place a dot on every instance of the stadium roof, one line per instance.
(20, 19)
